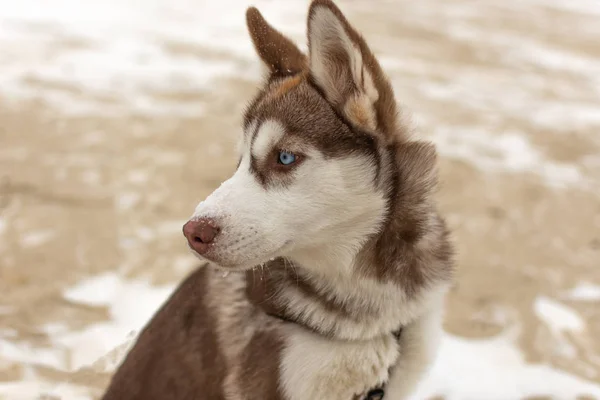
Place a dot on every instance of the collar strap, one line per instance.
(375, 394)
(397, 333)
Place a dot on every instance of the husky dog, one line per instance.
(326, 261)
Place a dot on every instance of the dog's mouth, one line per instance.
(226, 267)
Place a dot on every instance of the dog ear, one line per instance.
(343, 66)
(279, 54)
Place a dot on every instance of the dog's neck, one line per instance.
(362, 287)
(349, 295)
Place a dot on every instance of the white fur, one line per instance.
(320, 219)
(327, 34)
(314, 367)
(389, 305)
(419, 345)
(270, 133)
(228, 316)
(241, 143)
(329, 207)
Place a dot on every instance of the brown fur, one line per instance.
(266, 348)
(305, 115)
(218, 337)
(281, 56)
(385, 107)
(360, 114)
(398, 252)
(267, 292)
(286, 85)
(182, 333)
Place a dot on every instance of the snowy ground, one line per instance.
(110, 109)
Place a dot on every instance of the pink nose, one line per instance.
(200, 233)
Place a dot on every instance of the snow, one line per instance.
(465, 369)
(508, 152)
(130, 303)
(494, 369)
(34, 239)
(558, 316)
(560, 320)
(586, 292)
(124, 54)
(31, 388)
(125, 50)
(121, 53)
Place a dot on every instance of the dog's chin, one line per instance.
(239, 267)
(225, 266)
(220, 265)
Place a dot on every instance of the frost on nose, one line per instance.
(214, 204)
(200, 233)
(234, 200)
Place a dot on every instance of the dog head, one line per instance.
(318, 155)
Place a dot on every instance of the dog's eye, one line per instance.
(286, 158)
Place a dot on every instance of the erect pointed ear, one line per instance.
(279, 54)
(346, 70)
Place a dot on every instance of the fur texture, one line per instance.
(330, 255)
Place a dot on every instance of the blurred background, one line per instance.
(118, 116)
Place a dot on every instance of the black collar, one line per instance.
(379, 393)
(374, 394)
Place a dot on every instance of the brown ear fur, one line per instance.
(280, 55)
(384, 107)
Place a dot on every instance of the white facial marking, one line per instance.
(325, 199)
(248, 132)
(270, 132)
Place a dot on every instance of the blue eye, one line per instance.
(286, 158)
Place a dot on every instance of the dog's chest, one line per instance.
(269, 358)
(290, 363)
(316, 367)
